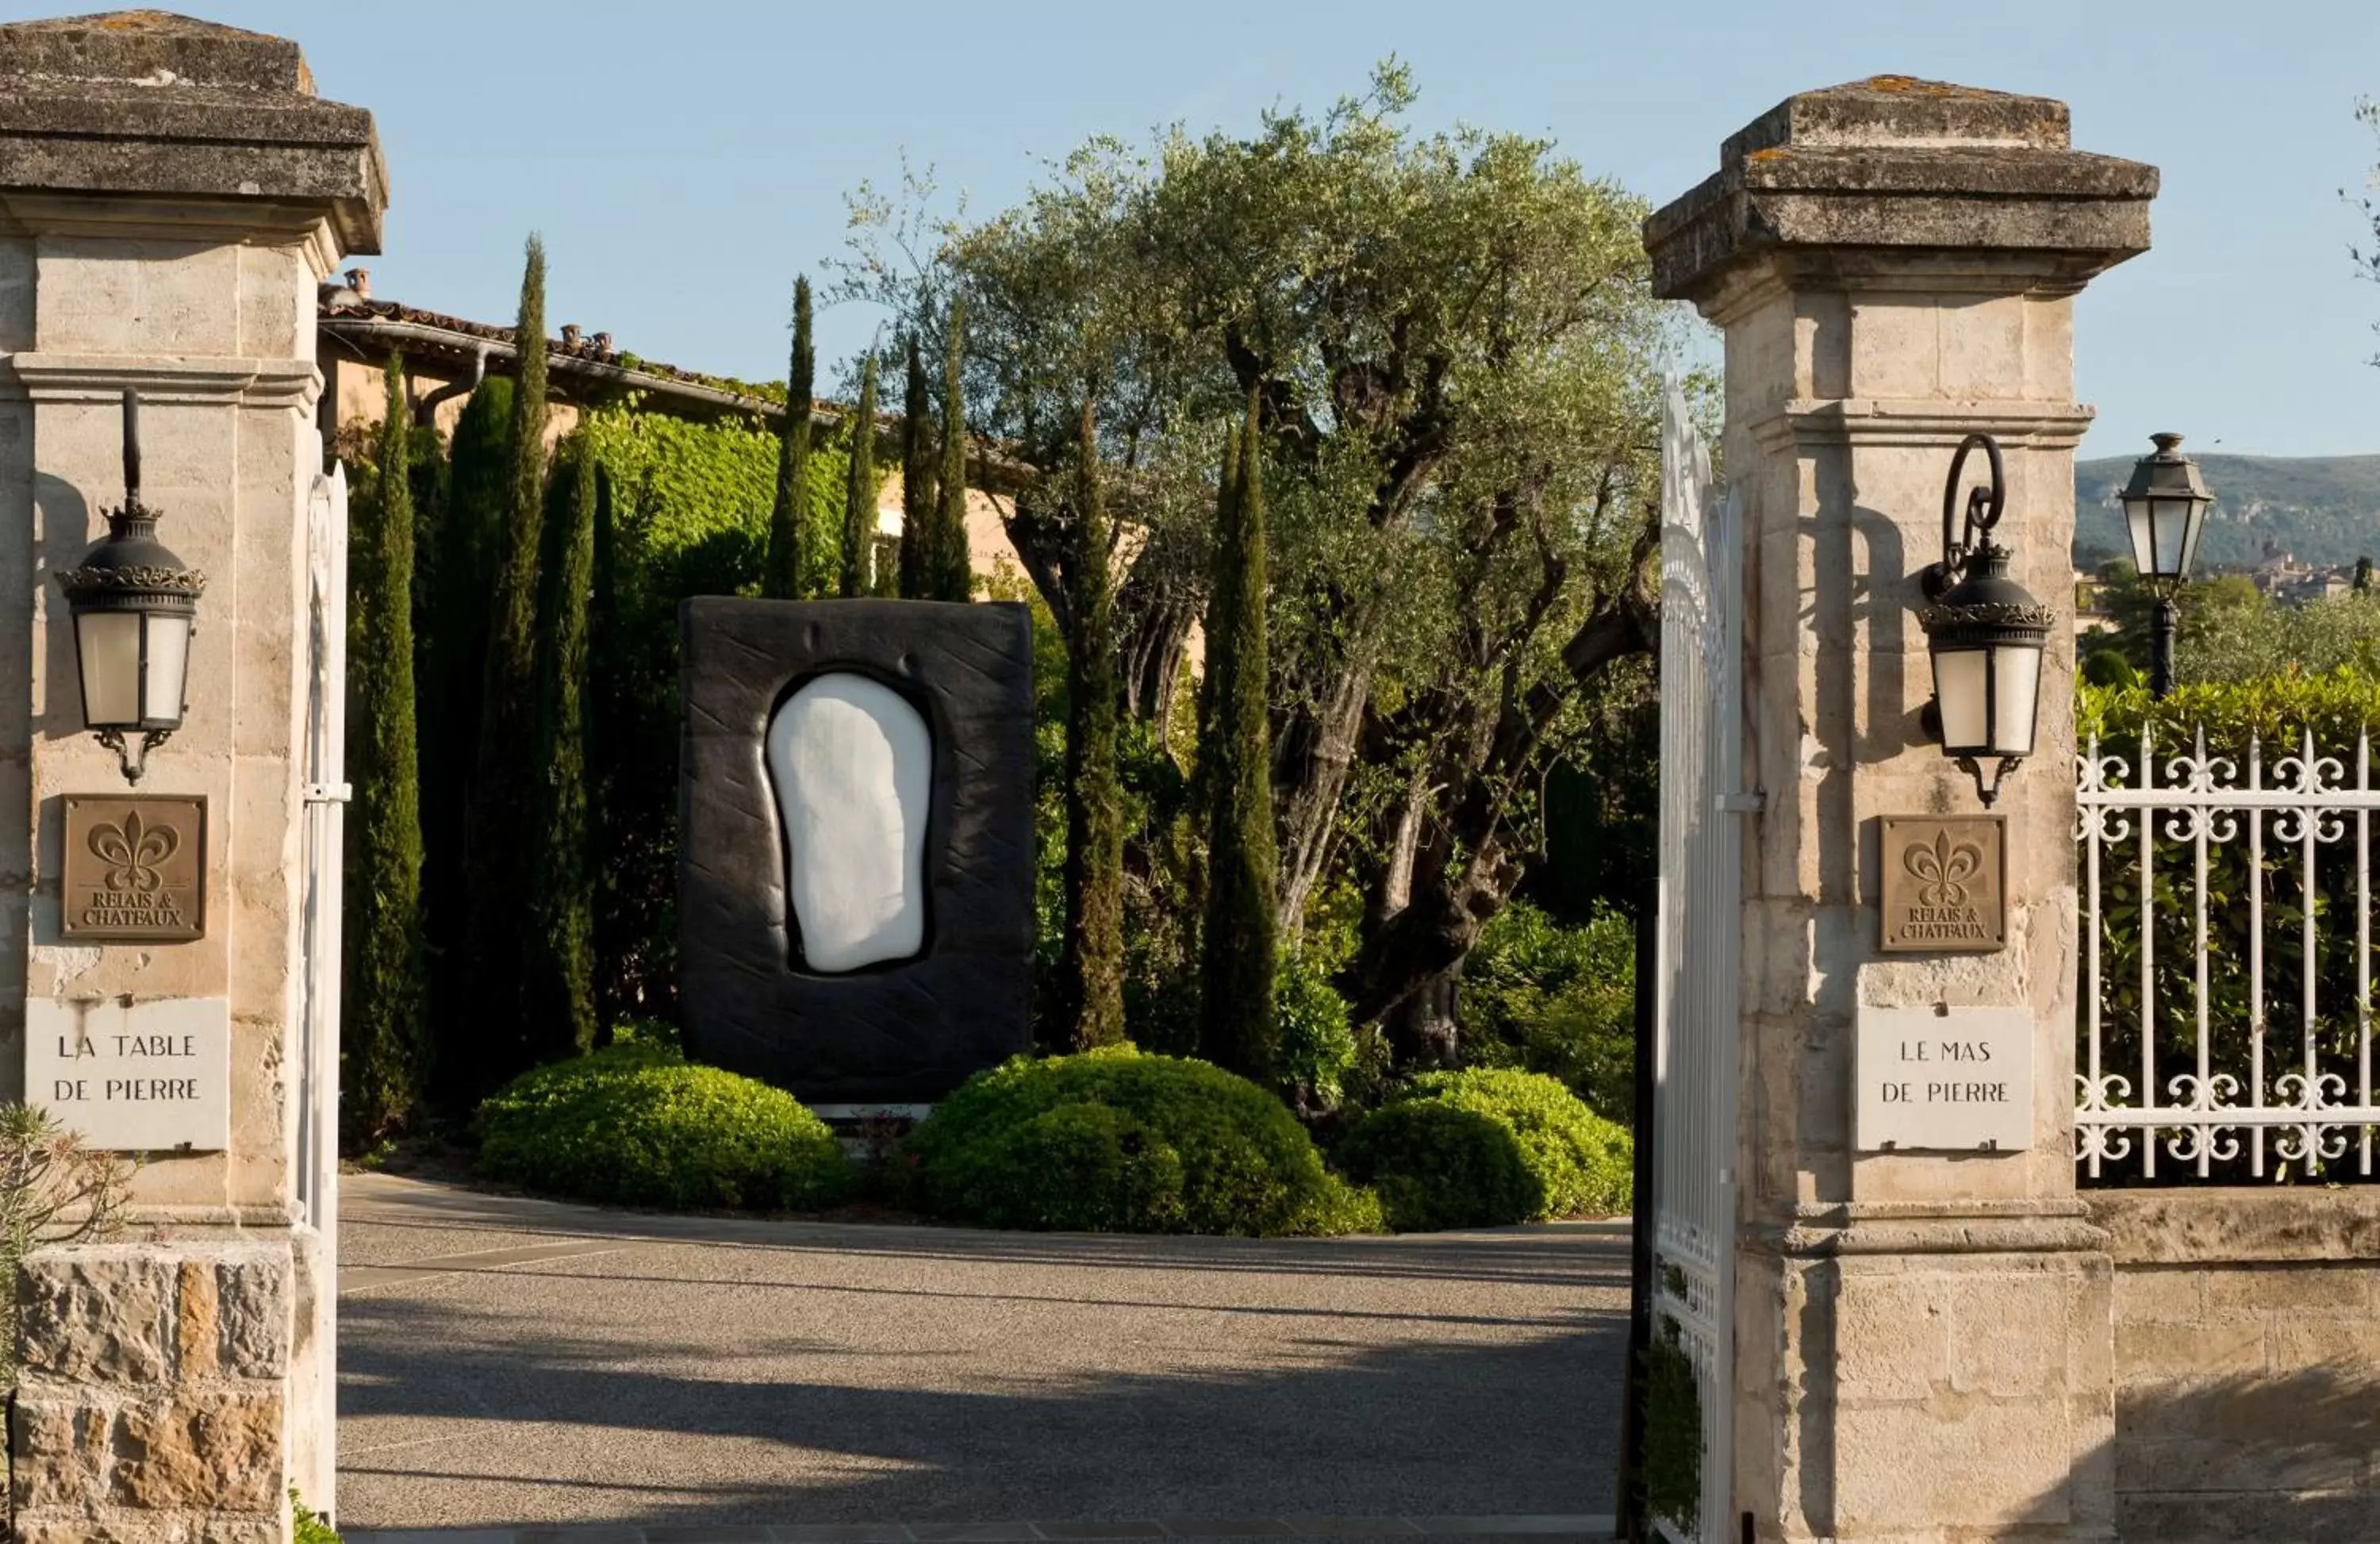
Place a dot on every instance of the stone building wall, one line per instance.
(153, 1400)
(2247, 1362)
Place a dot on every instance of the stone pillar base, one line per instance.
(153, 1401)
(1944, 1372)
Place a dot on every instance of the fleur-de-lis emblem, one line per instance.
(1943, 869)
(133, 851)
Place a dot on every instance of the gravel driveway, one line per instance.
(508, 1363)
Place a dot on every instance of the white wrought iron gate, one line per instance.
(326, 794)
(1694, 1065)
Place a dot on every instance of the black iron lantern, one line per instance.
(1986, 631)
(2165, 510)
(135, 607)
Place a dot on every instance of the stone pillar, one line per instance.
(1923, 1339)
(171, 193)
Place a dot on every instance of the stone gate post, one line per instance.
(1922, 1338)
(171, 193)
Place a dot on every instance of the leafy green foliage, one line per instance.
(920, 476)
(1557, 1000)
(1579, 1163)
(1673, 1430)
(633, 1123)
(689, 508)
(499, 815)
(858, 544)
(2334, 709)
(1314, 1045)
(52, 1191)
(948, 573)
(790, 554)
(558, 971)
(1440, 1165)
(306, 1525)
(1240, 941)
(1092, 979)
(1460, 360)
(1116, 1140)
(382, 1051)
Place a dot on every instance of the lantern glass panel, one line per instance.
(107, 648)
(168, 657)
(2016, 691)
(1963, 692)
(2194, 517)
(2136, 526)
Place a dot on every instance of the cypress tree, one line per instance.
(859, 493)
(1240, 938)
(920, 501)
(469, 537)
(497, 852)
(608, 716)
(781, 575)
(558, 988)
(1094, 950)
(949, 573)
(383, 1045)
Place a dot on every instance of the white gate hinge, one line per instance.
(1740, 804)
(329, 793)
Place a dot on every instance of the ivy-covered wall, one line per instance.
(690, 516)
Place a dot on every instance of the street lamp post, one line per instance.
(2165, 510)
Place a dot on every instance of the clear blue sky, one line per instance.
(685, 160)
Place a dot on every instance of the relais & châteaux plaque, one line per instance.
(135, 869)
(1944, 884)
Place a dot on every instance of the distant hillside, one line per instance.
(2320, 509)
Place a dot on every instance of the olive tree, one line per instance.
(1458, 360)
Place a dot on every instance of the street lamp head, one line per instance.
(2165, 511)
(1986, 633)
(135, 607)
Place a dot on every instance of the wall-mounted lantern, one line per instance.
(2165, 508)
(135, 607)
(1986, 631)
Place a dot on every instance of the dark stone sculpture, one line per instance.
(906, 1031)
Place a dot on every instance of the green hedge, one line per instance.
(1489, 1145)
(1118, 1141)
(1435, 1165)
(1544, 997)
(635, 1124)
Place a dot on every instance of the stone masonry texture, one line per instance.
(2247, 1362)
(1922, 1345)
(173, 192)
(151, 1405)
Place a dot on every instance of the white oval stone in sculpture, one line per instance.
(853, 766)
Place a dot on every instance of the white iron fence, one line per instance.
(1695, 1060)
(2227, 970)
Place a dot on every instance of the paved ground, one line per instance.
(508, 1363)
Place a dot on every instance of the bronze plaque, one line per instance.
(136, 868)
(1944, 884)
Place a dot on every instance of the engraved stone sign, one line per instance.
(1956, 1079)
(135, 869)
(1944, 884)
(131, 1076)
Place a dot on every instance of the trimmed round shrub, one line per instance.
(1436, 1165)
(1116, 1141)
(635, 1124)
(1582, 1164)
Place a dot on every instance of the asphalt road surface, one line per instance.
(512, 1363)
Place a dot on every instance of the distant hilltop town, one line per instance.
(2295, 525)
